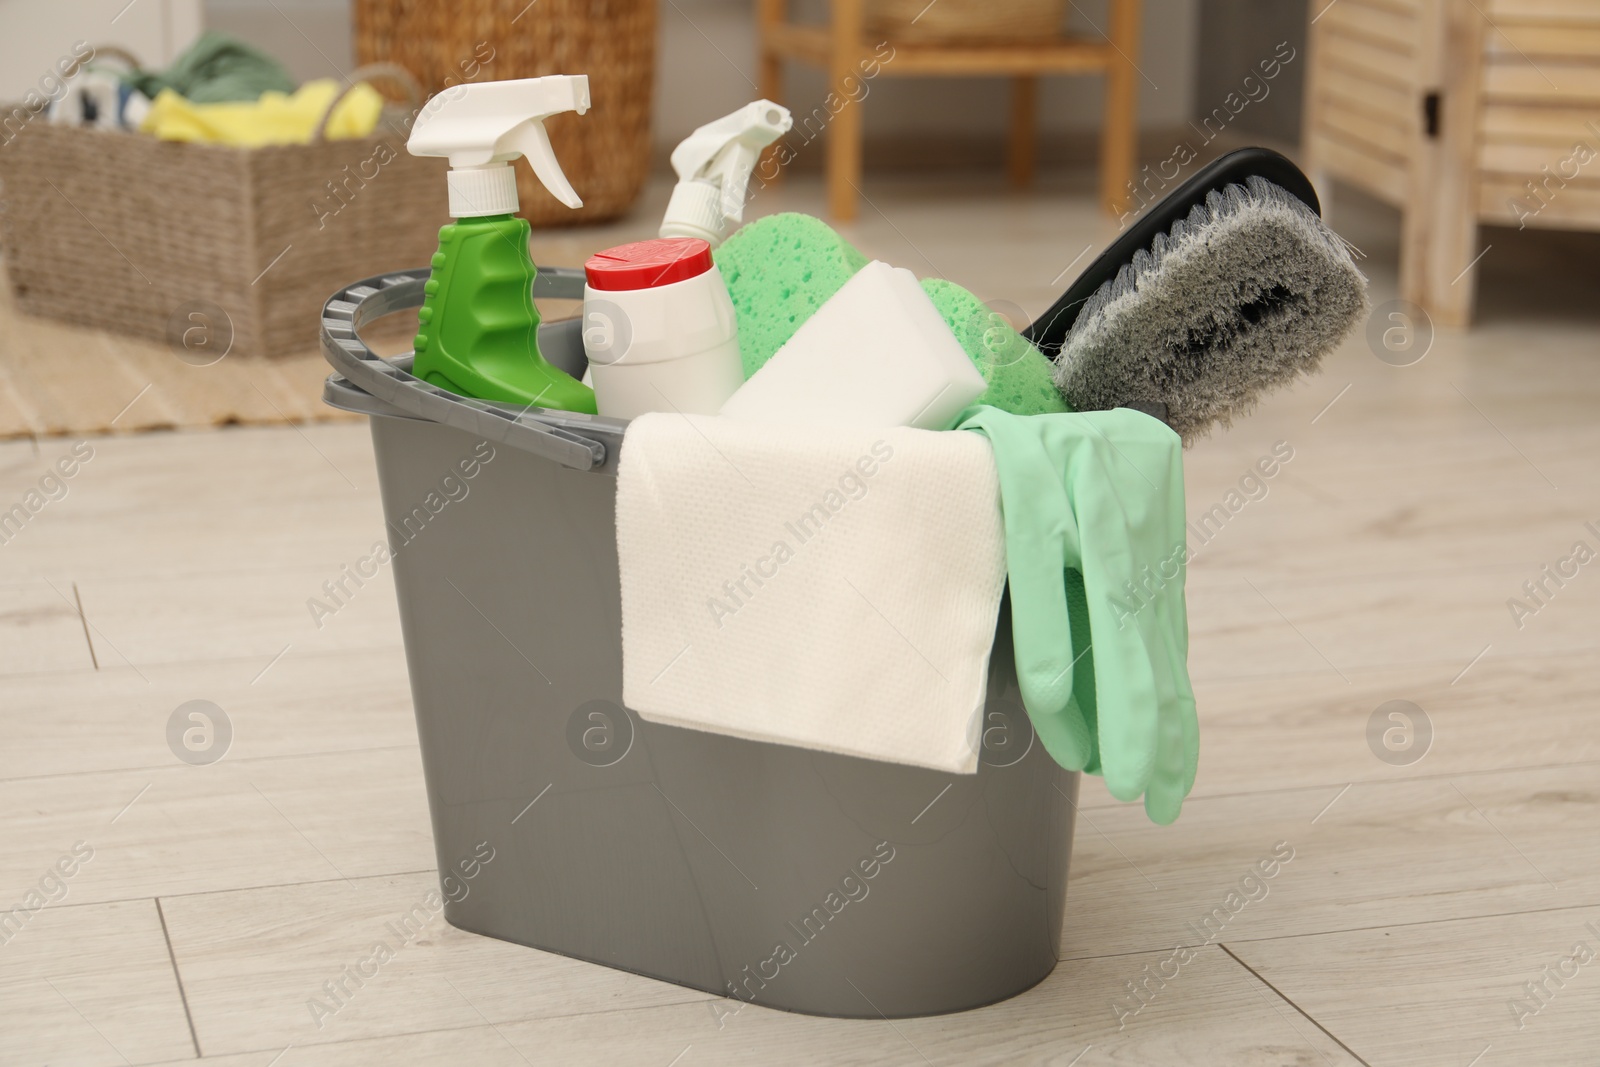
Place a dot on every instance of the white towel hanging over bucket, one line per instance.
(827, 587)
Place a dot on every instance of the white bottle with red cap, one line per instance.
(659, 329)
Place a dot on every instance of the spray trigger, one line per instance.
(532, 140)
(714, 165)
(480, 127)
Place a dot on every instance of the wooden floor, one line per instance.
(1425, 891)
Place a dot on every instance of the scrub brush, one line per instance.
(1230, 287)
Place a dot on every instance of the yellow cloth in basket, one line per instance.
(275, 118)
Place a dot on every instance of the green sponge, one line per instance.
(1019, 375)
(779, 271)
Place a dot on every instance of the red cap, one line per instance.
(648, 264)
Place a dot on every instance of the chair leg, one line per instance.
(1120, 125)
(844, 163)
(1024, 137)
(844, 137)
(770, 14)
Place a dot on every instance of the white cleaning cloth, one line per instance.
(827, 587)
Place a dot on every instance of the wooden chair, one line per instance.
(841, 49)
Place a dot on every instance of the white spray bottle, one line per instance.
(714, 164)
(659, 327)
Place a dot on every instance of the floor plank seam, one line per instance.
(1391, 780)
(240, 889)
(1419, 922)
(701, 999)
(1303, 1013)
(67, 672)
(84, 620)
(1395, 780)
(168, 664)
(1388, 667)
(487, 1025)
(352, 1041)
(1226, 576)
(308, 881)
(177, 976)
(1368, 669)
(125, 576)
(1223, 583)
(156, 767)
(1340, 931)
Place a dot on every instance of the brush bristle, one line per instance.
(1248, 292)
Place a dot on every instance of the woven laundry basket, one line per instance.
(605, 153)
(150, 237)
(960, 21)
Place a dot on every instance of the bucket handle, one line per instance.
(573, 439)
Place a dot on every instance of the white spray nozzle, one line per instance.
(482, 126)
(714, 164)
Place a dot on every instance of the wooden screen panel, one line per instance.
(1363, 109)
(1506, 199)
(1542, 10)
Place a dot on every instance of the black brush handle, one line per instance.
(1049, 331)
(1154, 408)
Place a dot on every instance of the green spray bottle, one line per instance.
(478, 327)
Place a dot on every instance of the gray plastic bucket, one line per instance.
(794, 879)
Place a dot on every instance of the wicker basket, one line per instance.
(605, 153)
(948, 21)
(139, 235)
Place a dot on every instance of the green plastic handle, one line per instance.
(477, 332)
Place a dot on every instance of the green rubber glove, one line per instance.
(1095, 554)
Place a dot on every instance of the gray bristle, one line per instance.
(1248, 292)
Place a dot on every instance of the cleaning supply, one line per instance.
(216, 69)
(478, 327)
(1019, 377)
(659, 329)
(714, 165)
(827, 587)
(1228, 288)
(779, 271)
(876, 354)
(1096, 553)
(271, 120)
(782, 268)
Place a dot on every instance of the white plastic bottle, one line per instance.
(714, 165)
(659, 329)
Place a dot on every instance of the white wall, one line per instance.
(35, 34)
(312, 38)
